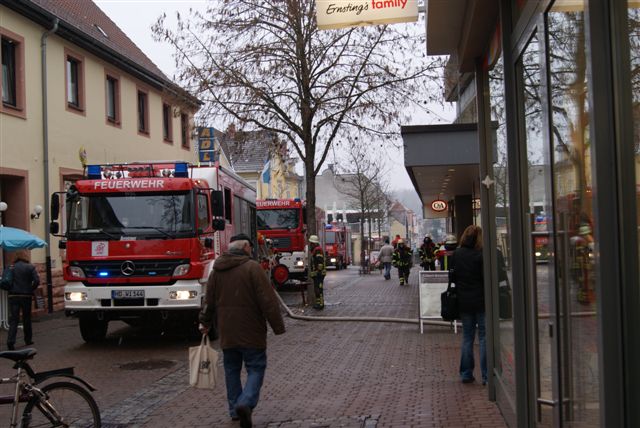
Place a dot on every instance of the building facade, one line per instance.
(553, 89)
(76, 90)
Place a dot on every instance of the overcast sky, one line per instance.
(135, 18)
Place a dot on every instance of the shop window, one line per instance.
(12, 85)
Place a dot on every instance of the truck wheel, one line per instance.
(93, 329)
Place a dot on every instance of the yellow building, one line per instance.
(75, 89)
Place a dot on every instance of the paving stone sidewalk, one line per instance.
(344, 374)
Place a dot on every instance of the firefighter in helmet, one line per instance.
(402, 259)
(317, 270)
(445, 252)
(426, 253)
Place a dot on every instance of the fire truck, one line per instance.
(282, 221)
(337, 245)
(140, 239)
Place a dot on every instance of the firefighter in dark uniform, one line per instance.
(402, 259)
(317, 270)
(426, 253)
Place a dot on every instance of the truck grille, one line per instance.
(283, 242)
(129, 268)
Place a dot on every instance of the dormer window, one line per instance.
(99, 28)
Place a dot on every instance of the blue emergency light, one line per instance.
(181, 170)
(103, 274)
(94, 172)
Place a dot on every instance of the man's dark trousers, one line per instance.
(17, 304)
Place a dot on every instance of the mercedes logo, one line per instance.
(128, 268)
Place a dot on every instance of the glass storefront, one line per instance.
(505, 362)
(573, 213)
(634, 45)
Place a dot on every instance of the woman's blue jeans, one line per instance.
(467, 364)
(255, 362)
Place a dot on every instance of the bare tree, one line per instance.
(362, 184)
(265, 64)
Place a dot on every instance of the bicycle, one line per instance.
(64, 400)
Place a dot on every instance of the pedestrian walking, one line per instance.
(21, 281)
(386, 257)
(317, 270)
(402, 259)
(240, 298)
(426, 253)
(468, 278)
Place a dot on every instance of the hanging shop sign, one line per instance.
(352, 13)
(438, 205)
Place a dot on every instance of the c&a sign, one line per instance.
(350, 13)
(438, 205)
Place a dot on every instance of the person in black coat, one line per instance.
(23, 281)
(468, 278)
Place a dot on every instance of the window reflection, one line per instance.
(574, 212)
(505, 364)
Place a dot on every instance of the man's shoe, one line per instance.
(469, 380)
(11, 347)
(244, 413)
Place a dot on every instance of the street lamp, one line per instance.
(3, 208)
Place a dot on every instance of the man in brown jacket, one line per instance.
(241, 299)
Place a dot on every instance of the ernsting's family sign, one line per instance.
(350, 13)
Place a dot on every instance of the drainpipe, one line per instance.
(45, 160)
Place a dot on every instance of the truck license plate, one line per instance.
(127, 294)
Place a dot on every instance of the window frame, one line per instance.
(19, 109)
(146, 129)
(78, 59)
(185, 127)
(167, 122)
(116, 121)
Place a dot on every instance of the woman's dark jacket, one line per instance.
(468, 279)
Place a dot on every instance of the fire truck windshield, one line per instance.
(330, 238)
(278, 219)
(135, 215)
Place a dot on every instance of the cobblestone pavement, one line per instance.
(320, 374)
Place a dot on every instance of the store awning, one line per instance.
(442, 161)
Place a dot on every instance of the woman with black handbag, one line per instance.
(468, 278)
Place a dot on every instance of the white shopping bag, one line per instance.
(203, 365)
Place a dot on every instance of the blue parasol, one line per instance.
(12, 239)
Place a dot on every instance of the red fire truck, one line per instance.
(283, 222)
(140, 240)
(337, 245)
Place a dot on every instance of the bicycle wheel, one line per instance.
(71, 402)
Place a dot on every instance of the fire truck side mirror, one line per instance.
(208, 243)
(54, 228)
(219, 224)
(55, 206)
(217, 204)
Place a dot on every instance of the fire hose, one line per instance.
(291, 314)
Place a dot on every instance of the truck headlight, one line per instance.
(538, 254)
(332, 259)
(181, 270)
(182, 294)
(300, 263)
(76, 272)
(75, 296)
